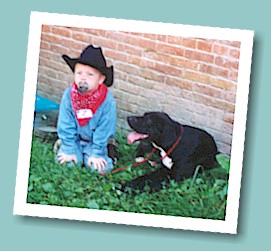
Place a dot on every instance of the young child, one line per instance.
(87, 113)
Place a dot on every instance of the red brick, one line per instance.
(223, 137)
(230, 96)
(135, 60)
(65, 77)
(224, 148)
(221, 83)
(83, 37)
(126, 48)
(199, 56)
(141, 81)
(169, 49)
(226, 62)
(71, 44)
(61, 86)
(130, 88)
(156, 98)
(229, 118)
(75, 29)
(156, 56)
(64, 50)
(95, 32)
(189, 42)
(232, 64)
(46, 28)
(49, 55)
(117, 36)
(221, 61)
(45, 88)
(128, 68)
(115, 55)
(183, 116)
(216, 103)
(44, 45)
(127, 106)
(216, 71)
(152, 75)
(43, 81)
(209, 90)
(235, 53)
(207, 111)
(235, 44)
(162, 38)
(127, 97)
(61, 31)
(167, 69)
(184, 63)
(47, 72)
(51, 38)
(59, 66)
(141, 42)
(205, 46)
(197, 77)
(105, 43)
(233, 76)
(172, 92)
(145, 63)
(175, 40)
(119, 75)
(221, 50)
(187, 94)
(180, 82)
(150, 36)
(134, 34)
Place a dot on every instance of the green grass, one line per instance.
(202, 196)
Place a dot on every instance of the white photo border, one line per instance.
(21, 207)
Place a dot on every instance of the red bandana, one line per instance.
(86, 105)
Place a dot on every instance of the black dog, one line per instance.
(186, 147)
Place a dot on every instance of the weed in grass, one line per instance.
(202, 196)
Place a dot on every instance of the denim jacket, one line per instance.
(97, 131)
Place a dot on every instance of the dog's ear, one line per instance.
(170, 134)
(170, 130)
(162, 119)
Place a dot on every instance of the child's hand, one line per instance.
(63, 158)
(98, 163)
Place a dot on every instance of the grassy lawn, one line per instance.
(202, 196)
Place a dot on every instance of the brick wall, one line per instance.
(193, 80)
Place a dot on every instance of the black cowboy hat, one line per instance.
(93, 57)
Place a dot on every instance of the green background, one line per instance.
(27, 233)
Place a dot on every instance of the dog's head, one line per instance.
(152, 125)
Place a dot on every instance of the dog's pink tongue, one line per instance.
(133, 136)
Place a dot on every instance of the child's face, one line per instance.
(87, 78)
